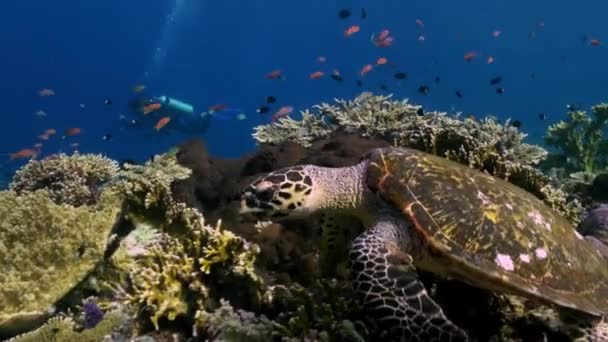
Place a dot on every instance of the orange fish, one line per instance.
(46, 92)
(162, 123)
(316, 75)
(217, 107)
(72, 131)
(469, 56)
(595, 42)
(151, 107)
(366, 68)
(419, 22)
(384, 34)
(382, 61)
(283, 111)
(352, 30)
(490, 59)
(496, 33)
(50, 131)
(383, 40)
(24, 153)
(274, 75)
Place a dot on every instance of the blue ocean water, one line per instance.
(218, 52)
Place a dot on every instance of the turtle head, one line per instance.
(286, 192)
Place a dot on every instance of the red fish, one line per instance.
(382, 61)
(25, 153)
(282, 112)
(469, 56)
(496, 33)
(595, 42)
(274, 75)
(352, 30)
(217, 107)
(419, 22)
(384, 39)
(316, 75)
(72, 131)
(366, 68)
(162, 123)
(151, 107)
(384, 34)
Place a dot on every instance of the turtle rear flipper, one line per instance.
(386, 280)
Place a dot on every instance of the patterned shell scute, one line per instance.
(493, 229)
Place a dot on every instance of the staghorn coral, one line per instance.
(115, 323)
(71, 179)
(580, 141)
(46, 249)
(304, 131)
(181, 274)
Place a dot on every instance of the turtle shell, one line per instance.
(488, 232)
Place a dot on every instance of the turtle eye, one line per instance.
(265, 195)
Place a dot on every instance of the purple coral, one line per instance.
(596, 224)
(92, 314)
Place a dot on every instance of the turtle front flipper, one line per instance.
(387, 282)
(337, 231)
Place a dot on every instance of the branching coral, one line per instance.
(46, 249)
(580, 141)
(304, 131)
(177, 276)
(71, 179)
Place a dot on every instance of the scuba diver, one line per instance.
(184, 119)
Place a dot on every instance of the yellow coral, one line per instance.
(45, 250)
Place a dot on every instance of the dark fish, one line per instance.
(495, 80)
(107, 137)
(363, 13)
(533, 76)
(384, 87)
(359, 83)
(344, 13)
(437, 79)
(420, 111)
(336, 77)
(500, 90)
(80, 251)
(128, 161)
(516, 123)
(263, 109)
(400, 75)
(108, 101)
(423, 89)
(572, 107)
(542, 116)
(458, 94)
(271, 99)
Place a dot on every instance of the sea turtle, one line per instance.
(425, 212)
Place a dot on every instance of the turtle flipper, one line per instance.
(387, 282)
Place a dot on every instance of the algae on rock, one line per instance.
(46, 249)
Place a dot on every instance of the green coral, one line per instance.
(71, 179)
(178, 275)
(46, 249)
(580, 142)
(64, 329)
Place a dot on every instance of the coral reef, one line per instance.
(228, 324)
(180, 275)
(46, 249)
(580, 142)
(113, 327)
(71, 179)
